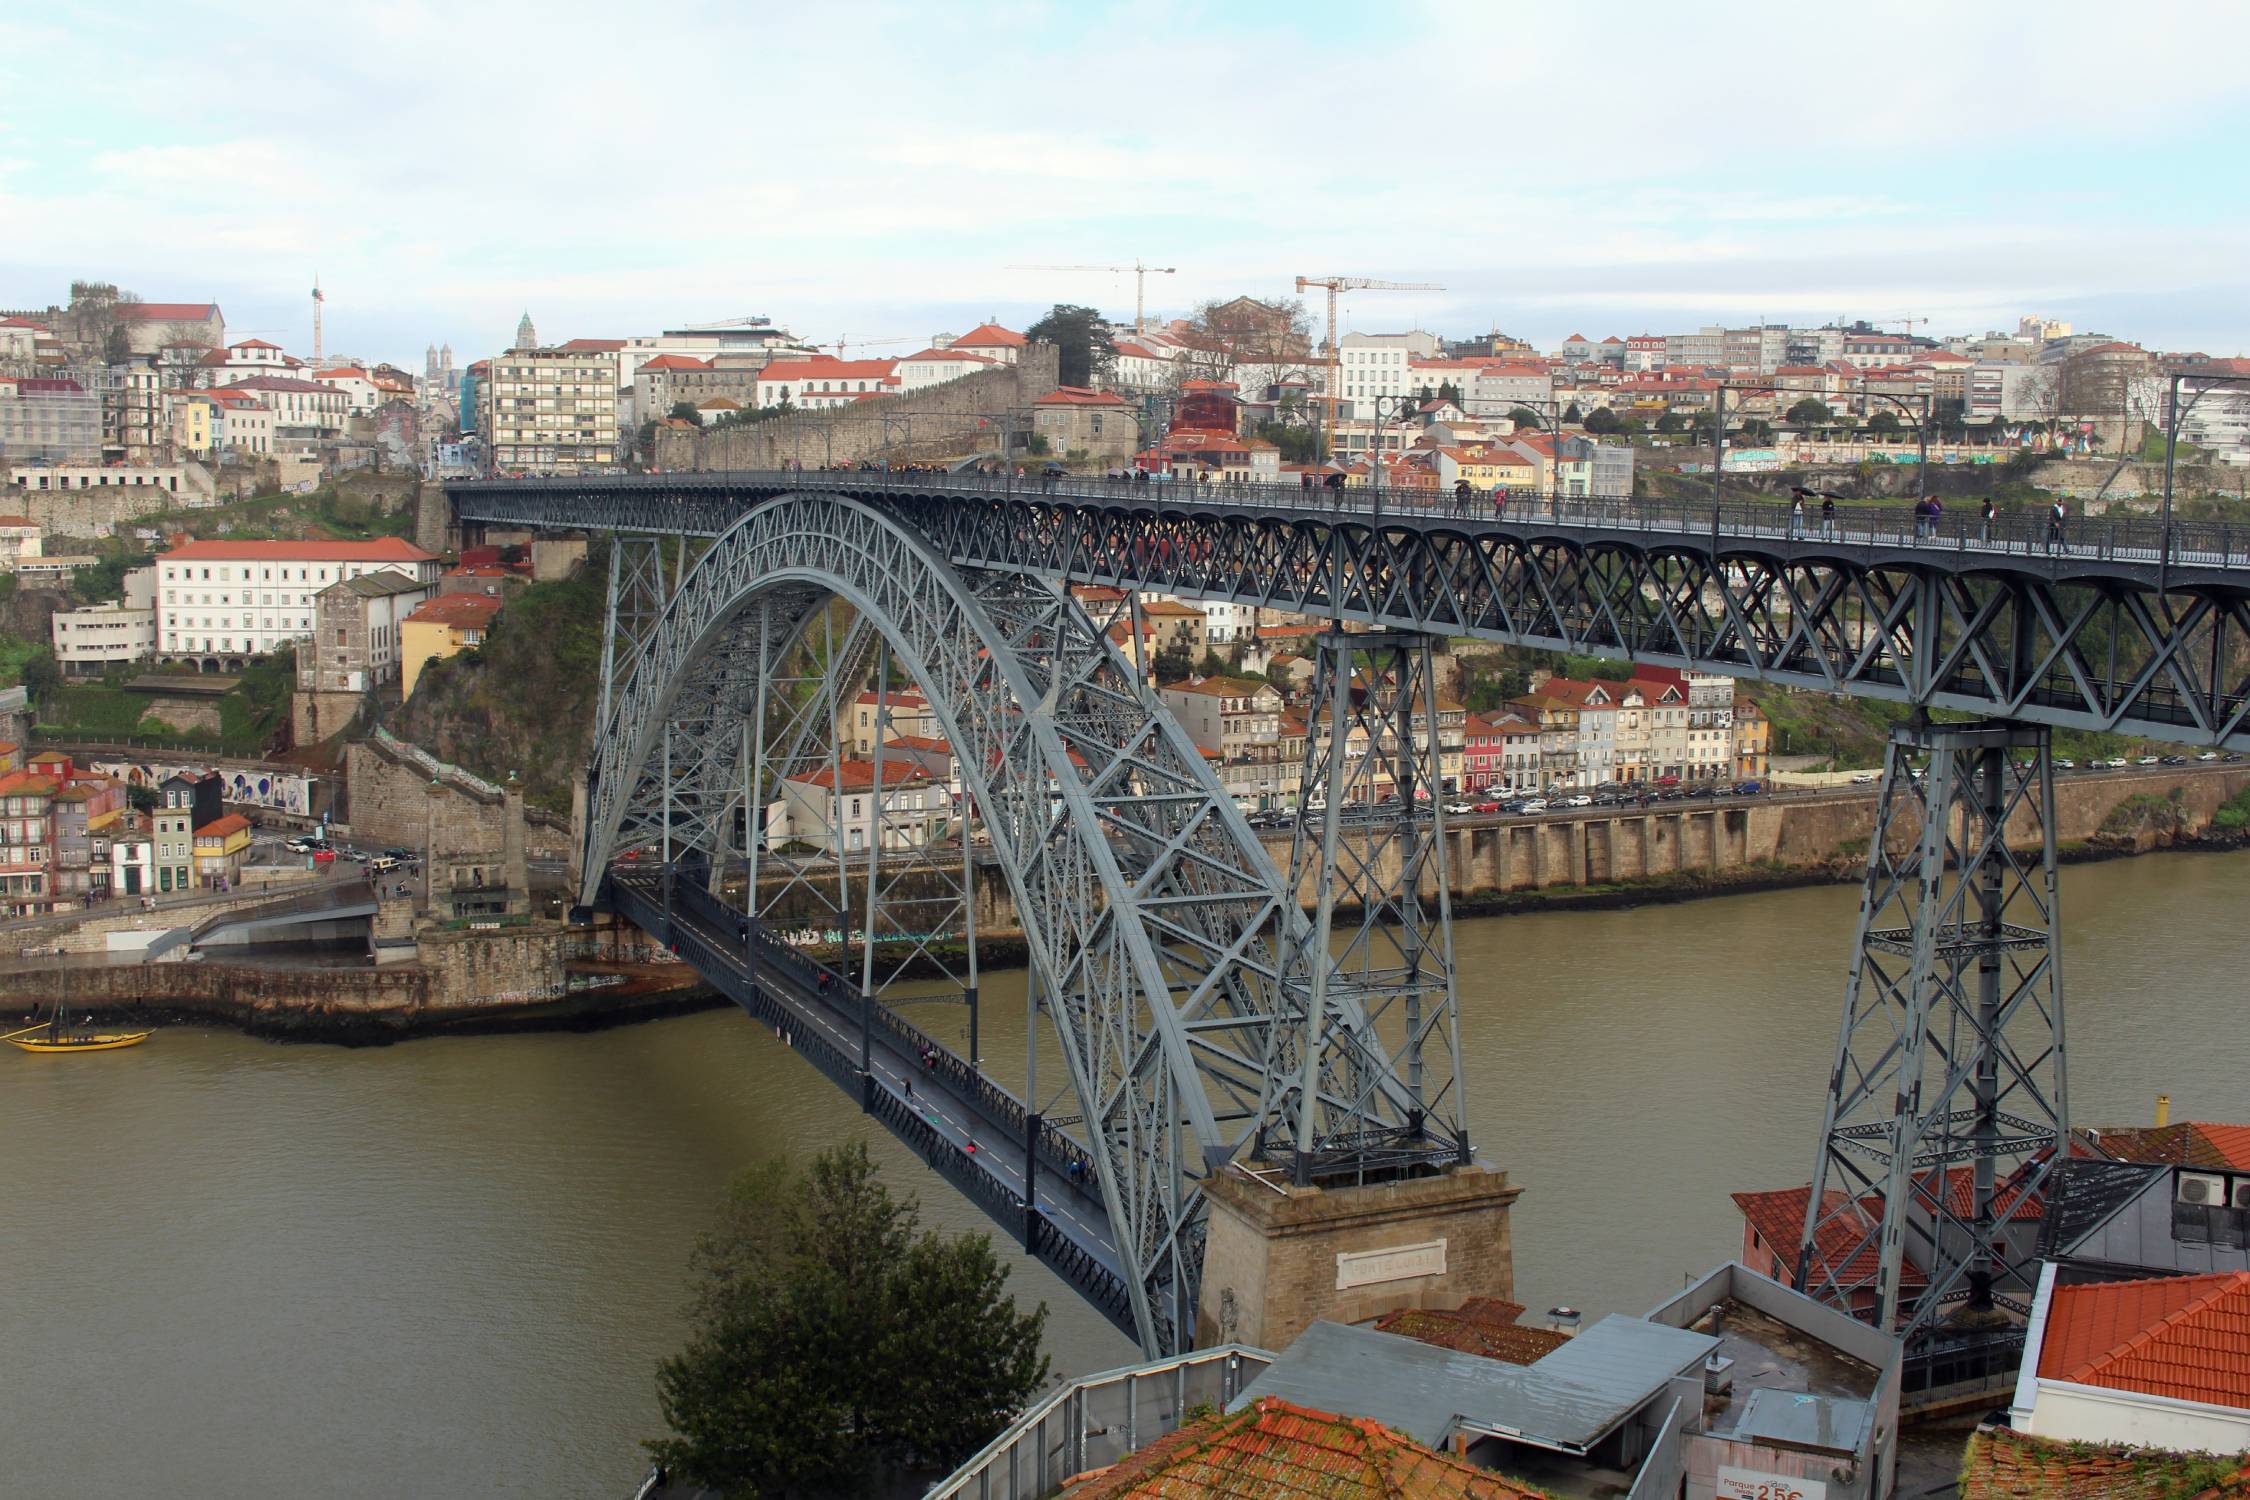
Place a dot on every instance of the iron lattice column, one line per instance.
(1370, 841)
(1947, 1109)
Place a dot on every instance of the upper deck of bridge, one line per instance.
(2136, 550)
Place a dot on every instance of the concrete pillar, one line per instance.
(1279, 1258)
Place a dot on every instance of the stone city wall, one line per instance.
(959, 417)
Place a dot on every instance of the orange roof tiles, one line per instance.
(676, 362)
(990, 335)
(383, 549)
(168, 312)
(24, 784)
(2004, 1465)
(1483, 1326)
(859, 775)
(1779, 1218)
(826, 369)
(1078, 395)
(2185, 1337)
(2189, 1143)
(219, 828)
(470, 610)
(1275, 1450)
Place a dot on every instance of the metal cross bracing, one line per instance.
(2119, 625)
(1160, 936)
(1370, 841)
(1947, 1105)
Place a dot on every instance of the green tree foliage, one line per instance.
(1082, 339)
(1671, 422)
(40, 674)
(1886, 424)
(1809, 412)
(143, 799)
(684, 411)
(1525, 419)
(1601, 421)
(1451, 392)
(1573, 414)
(1756, 430)
(1298, 445)
(836, 1342)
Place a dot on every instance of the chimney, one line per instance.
(2163, 1109)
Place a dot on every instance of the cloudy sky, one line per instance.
(886, 171)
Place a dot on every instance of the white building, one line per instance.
(552, 410)
(937, 366)
(2155, 1363)
(1499, 387)
(232, 600)
(1372, 365)
(304, 411)
(2217, 417)
(115, 631)
(187, 481)
(358, 387)
(995, 343)
(916, 808)
(794, 379)
(19, 538)
(241, 423)
(1140, 366)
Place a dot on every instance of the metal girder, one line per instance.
(2118, 642)
(1158, 930)
(1947, 1105)
(1370, 837)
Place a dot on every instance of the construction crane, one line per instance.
(845, 341)
(1141, 274)
(1336, 285)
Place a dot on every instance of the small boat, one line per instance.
(53, 1038)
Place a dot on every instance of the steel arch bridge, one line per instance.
(1947, 1106)
(1174, 963)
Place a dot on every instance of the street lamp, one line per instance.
(1719, 440)
(1384, 405)
(2173, 413)
(1921, 431)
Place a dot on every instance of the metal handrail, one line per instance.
(2012, 533)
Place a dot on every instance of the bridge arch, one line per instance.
(1164, 939)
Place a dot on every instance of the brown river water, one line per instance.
(241, 1269)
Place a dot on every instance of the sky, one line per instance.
(886, 172)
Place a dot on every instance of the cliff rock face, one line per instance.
(524, 701)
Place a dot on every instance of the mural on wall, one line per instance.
(280, 791)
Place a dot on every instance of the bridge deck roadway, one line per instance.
(2107, 545)
(965, 1126)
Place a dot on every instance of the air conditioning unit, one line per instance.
(2241, 1195)
(2207, 1188)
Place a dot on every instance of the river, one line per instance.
(245, 1269)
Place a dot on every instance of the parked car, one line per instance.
(2208, 755)
(2115, 763)
(1459, 809)
(1533, 805)
(2149, 760)
(298, 846)
(1579, 800)
(2065, 763)
(1488, 807)
(1748, 788)
(1864, 778)
(324, 856)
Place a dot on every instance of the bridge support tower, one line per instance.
(1947, 1107)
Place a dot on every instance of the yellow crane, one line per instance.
(1334, 286)
(1141, 274)
(845, 341)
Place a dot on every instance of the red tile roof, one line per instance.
(948, 356)
(859, 775)
(219, 828)
(2004, 1465)
(457, 609)
(1779, 1218)
(1482, 1325)
(24, 784)
(676, 362)
(2189, 1143)
(382, 549)
(990, 335)
(2185, 1337)
(1275, 1450)
(927, 744)
(592, 346)
(253, 344)
(1078, 395)
(826, 369)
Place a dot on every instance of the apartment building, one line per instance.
(221, 602)
(551, 410)
(835, 807)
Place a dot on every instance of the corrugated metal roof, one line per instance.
(1568, 1399)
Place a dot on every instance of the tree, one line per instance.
(143, 799)
(1573, 414)
(1885, 424)
(1247, 340)
(1670, 422)
(1809, 412)
(1757, 430)
(1298, 444)
(833, 1339)
(1448, 391)
(684, 411)
(1082, 338)
(1601, 421)
(40, 674)
(1524, 417)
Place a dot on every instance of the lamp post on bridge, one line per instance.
(1385, 407)
(1719, 440)
(1921, 431)
(2173, 413)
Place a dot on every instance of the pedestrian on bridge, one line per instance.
(2055, 516)
(1827, 517)
(1462, 491)
(1797, 516)
(1990, 514)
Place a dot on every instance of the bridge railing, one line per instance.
(2012, 532)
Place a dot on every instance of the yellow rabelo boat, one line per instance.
(53, 1038)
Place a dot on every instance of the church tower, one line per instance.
(527, 337)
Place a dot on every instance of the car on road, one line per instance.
(2148, 760)
(1864, 778)
(2208, 755)
(1749, 788)
(2065, 763)
(1533, 805)
(1488, 807)
(1579, 800)
(2115, 763)
(324, 856)
(2175, 760)
(1459, 809)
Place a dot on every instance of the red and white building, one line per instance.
(937, 366)
(1001, 345)
(219, 603)
(797, 381)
